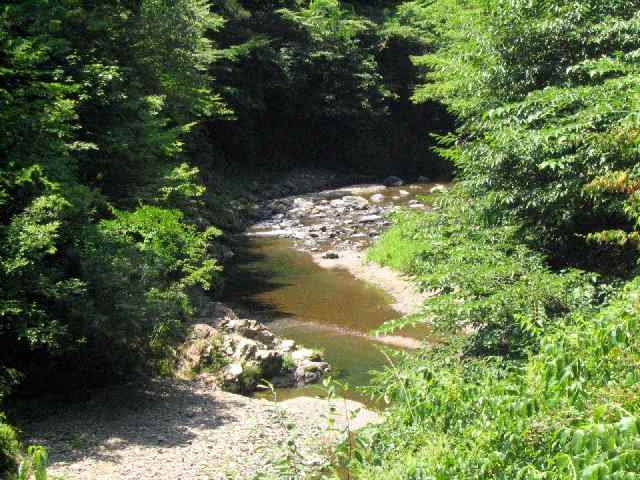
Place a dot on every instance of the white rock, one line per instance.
(302, 203)
(287, 345)
(233, 371)
(352, 201)
(270, 233)
(304, 354)
(370, 218)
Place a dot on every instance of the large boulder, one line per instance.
(355, 202)
(393, 181)
(241, 348)
(237, 353)
(310, 372)
(271, 362)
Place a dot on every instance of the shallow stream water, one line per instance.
(327, 309)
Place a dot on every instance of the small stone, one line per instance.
(244, 348)
(201, 331)
(232, 371)
(438, 189)
(370, 218)
(310, 372)
(270, 362)
(404, 193)
(237, 325)
(305, 354)
(331, 255)
(377, 198)
(302, 203)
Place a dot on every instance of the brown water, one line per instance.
(328, 309)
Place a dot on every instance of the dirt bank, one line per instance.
(183, 430)
(407, 298)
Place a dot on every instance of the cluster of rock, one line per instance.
(237, 354)
(338, 219)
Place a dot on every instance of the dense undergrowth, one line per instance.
(533, 253)
(134, 133)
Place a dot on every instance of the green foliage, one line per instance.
(34, 464)
(548, 93)
(99, 253)
(342, 76)
(114, 120)
(319, 83)
(9, 448)
(547, 156)
(485, 281)
(571, 411)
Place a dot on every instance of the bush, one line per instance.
(9, 449)
(571, 411)
(487, 282)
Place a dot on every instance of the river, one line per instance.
(323, 308)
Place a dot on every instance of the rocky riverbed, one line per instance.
(335, 226)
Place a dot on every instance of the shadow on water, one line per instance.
(327, 309)
(273, 281)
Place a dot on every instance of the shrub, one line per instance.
(487, 282)
(9, 449)
(570, 411)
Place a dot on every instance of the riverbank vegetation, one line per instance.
(533, 253)
(134, 133)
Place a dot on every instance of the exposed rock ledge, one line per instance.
(237, 354)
